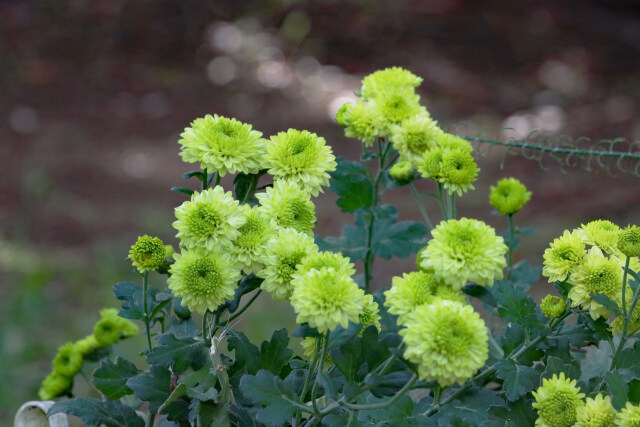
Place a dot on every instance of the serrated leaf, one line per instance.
(328, 384)
(241, 417)
(516, 306)
(618, 388)
(152, 387)
(246, 285)
(111, 378)
(556, 366)
(93, 412)
(345, 418)
(607, 302)
(351, 182)
(519, 414)
(524, 275)
(178, 353)
(518, 379)
(133, 303)
(395, 239)
(275, 354)
(481, 292)
(470, 409)
(596, 361)
(247, 354)
(268, 390)
(352, 242)
(182, 328)
(399, 414)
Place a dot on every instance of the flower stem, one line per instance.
(423, 211)
(145, 280)
(511, 245)
(314, 390)
(627, 315)
(245, 307)
(441, 199)
(307, 381)
(387, 403)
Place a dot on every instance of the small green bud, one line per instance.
(629, 241)
(402, 172)
(147, 253)
(509, 196)
(552, 306)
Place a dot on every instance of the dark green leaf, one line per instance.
(178, 353)
(305, 330)
(93, 412)
(275, 354)
(399, 414)
(241, 417)
(111, 378)
(182, 311)
(519, 414)
(212, 414)
(351, 182)
(470, 409)
(133, 305)
(328, 384)
(618, 388)
(246, 285)
(596, 361)
(268, 390)
(198, 174)
(347, 357)
(516, 306)
(518, 379)
(247, 354)
(608, 303)
(563, 288)
(524, 275)
(183, 328)
(365, 156)
(152, 387)
(241, 185)
(352, 242)
(481, 292)
(182, 190)
(345, 418)
(395, 239)
(556, 366)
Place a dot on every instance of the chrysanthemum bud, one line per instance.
(402, 172)
(68, 361)
(629, 241)
(553, 306)
(55, 385)
(148, 253)
(509, 196)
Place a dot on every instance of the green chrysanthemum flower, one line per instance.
(210, 220)
(465, 250)
(601, 233)
(289, 206)
(55, 385)
(448, 141)
(309, 350)
(328, 259)
(557, 402)
(598, 412)
(223, 145)
(414, 289)
(389, 78)
(458, 171)
(326, 298)
(414, 136)
(87, 345)
(147, 253)
(448, 341)
(393, 106)
(111, 327)
(629, 416)
(369, 314)
(629, 241)
(68, 361)
(402, 172)
(431, 163)
(509, 196)
(302, 157)
(553, 306)
(565, 253)
(596, 274)
(253, 236)
(204, 279)
(281, 257)
(360, 121)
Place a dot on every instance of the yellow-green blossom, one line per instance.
(596, 274)
(553, 306)
(431, 163)
(458, 171)
(55, 385)
(289, 206)
(563, 255)
(448, 341)
(402, 172)
(369, 314)
(326, 298)
(111, 327)
(509, 196)
(328, 259)
(598, 412)
(414, 136)
(414, 289)
(281, 257)
(87, 345)
(394, 106)
(629, 241)
(210, 220)
(360, 121)
(147, 253)
(602, 233)
(448, 141)
(465, 250)
(253, 235)
(388, 79)
(629, 416)
(68, 361)
(223, 145)
(204, 279)
(557, 402)
(302, 157)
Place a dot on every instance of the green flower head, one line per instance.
(509, 196)
(210, 220)
(87, 345)
(55, 385)
(629, 241)
(68, 361)
(553, 306)
(448, 341)
(465, 250)
(414, 136)
(565, 253)
(448, 141)
(111, 327)
(309, 350)
(327, 298)
(289, 206)
(223, 145)
(431, 164)
(328, 259)
(204, 279)
(402, 172)
(596, 274)
(598, 412)
(253, 235)
(369, 314)
(360, 121)
(301, 157)
(147, 253)
(414, 289)
(557, 402)
(389, 78)
(601, 233)
(629, 416)
(281, 257)
(394, 106)
(458, 171)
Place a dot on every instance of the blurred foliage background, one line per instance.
(94, 93)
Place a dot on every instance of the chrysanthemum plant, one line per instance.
(417, 352)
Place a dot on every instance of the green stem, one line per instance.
(387, 403)
(205, 337)
(145, 281)
(437, 392)
(441, 199)
(314, 390)
(423, 211)
(627, 316)
(245, 307)
(218, 177)
(307, 380)
(624, 286)
(511, 245)
(452, 205)
(252, 188)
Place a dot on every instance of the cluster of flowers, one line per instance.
(560, 403)
(592, 259)
(71, 356)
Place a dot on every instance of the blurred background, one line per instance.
(94, 93)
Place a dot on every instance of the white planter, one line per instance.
(34, 414)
